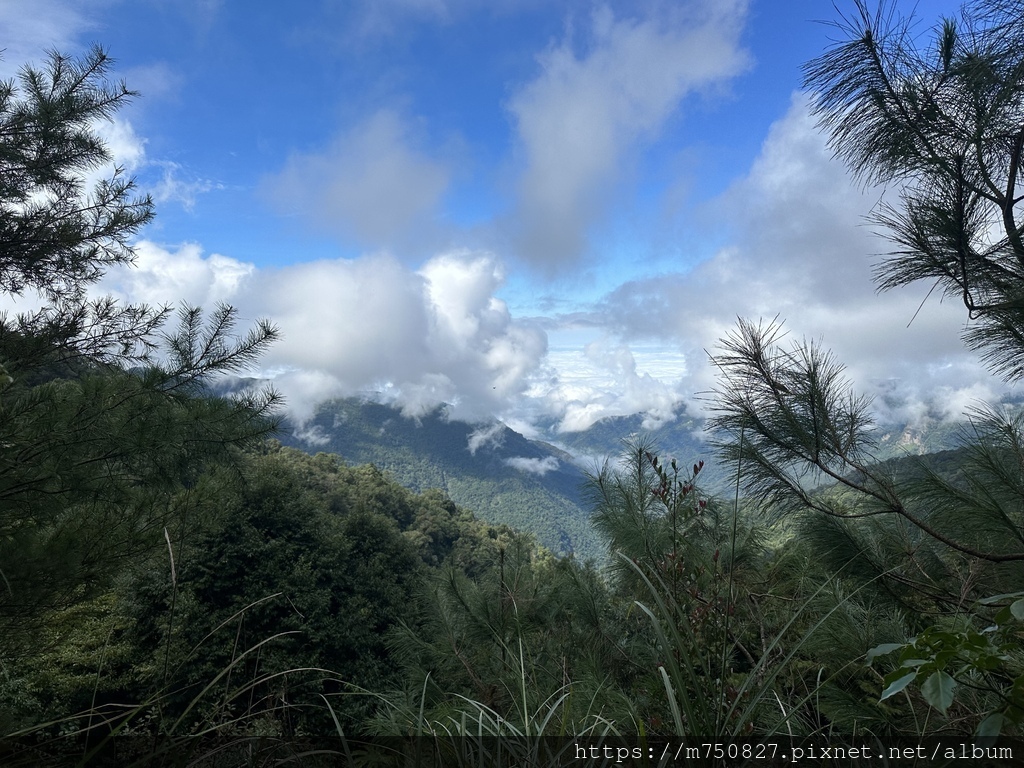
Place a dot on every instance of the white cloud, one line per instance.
(31, 27)
(470, 323)
(420, 339)
(186, 275)
(371, 184)
(491, 435)
(303, 391)
(312, 436)
(172, 187)
(127, 149)
(358, 320)
(580, 387)
(803, 252)
(533, 466)
(581, 118)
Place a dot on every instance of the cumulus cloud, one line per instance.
(533, 466)
(352, 318)
(182, 276)
(580, 119)
(127, 149)
(418, 339)
(801, 251)
(371, 184)
(468, 323)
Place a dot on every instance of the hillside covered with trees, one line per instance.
(489, 468)
(179, 588)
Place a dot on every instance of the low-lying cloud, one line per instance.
(491, 435)
(580, 387)
(533, 466)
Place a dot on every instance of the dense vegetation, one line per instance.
(474, 464)
(177, 588)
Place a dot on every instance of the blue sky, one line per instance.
(541, 211)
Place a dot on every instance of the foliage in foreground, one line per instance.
(176, 591)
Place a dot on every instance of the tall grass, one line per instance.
(707, 702)
(221, 723)
(703, 709)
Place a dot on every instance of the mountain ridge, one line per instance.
(535, 484)
(489, 468)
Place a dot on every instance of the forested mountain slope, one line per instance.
(490, 469)
(539, 485)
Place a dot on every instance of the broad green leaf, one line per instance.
(882, 650)
(1017, 690)
(1017, 609)
(991, 726)
(988, 661)
(910, 654)
(938, 690)
(898, 685)
(999, 598)
(909, 663)
(976, 640)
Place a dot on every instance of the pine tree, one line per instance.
(100, 438)
(944, 123)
